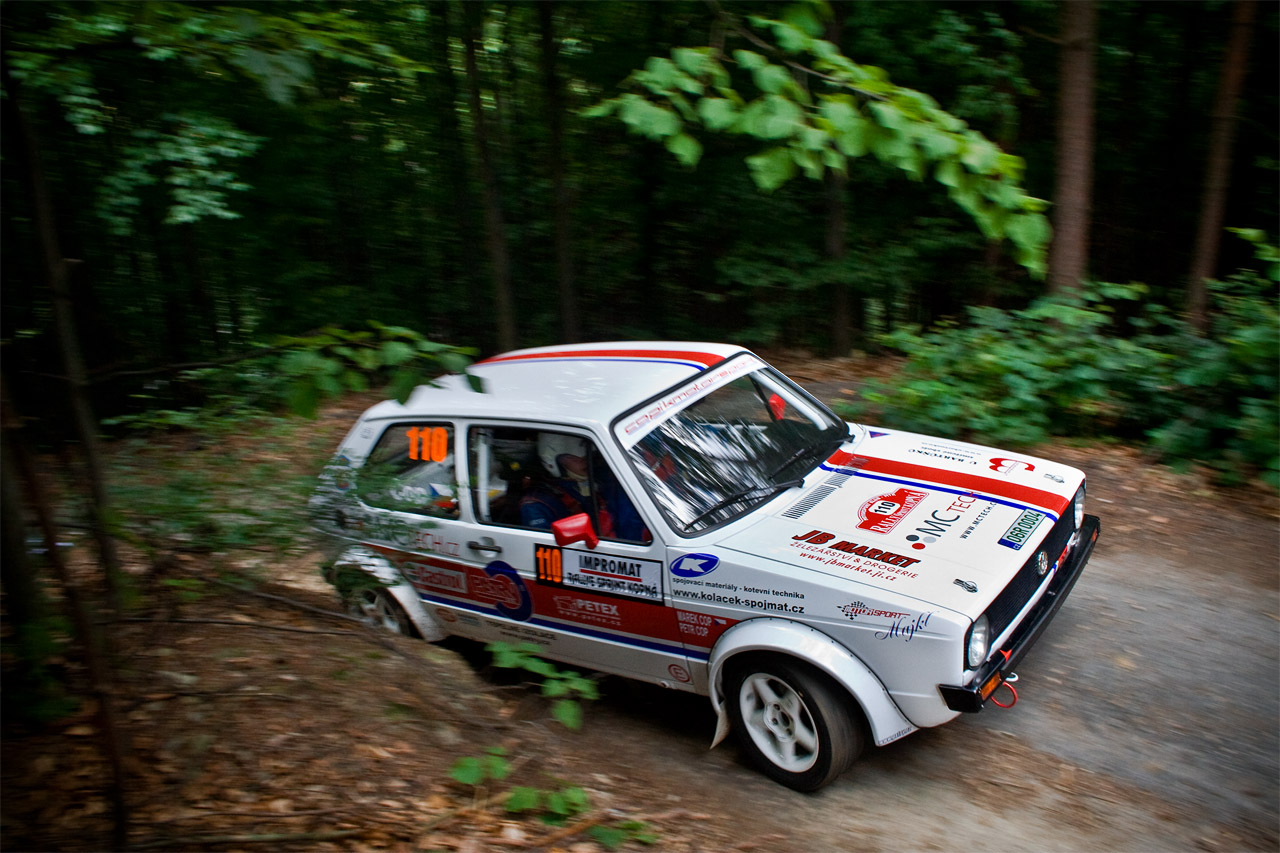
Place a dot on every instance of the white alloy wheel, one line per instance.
(379, 608)
(778, 722)
(797, 725)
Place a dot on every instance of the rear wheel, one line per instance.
(792, 720)
(379, 608)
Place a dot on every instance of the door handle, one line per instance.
(485, 544)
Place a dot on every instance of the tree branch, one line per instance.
(233, 624)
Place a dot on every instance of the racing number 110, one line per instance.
(428, 444)
(550, 563)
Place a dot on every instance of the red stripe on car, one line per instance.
(704, 358)
(969, 482)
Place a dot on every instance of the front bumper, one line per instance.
(992, 674)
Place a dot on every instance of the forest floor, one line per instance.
(265, 719)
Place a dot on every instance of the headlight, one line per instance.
(978, 640)
(1079, 507)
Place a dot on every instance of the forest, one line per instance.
(1047, 219)
(203, 179)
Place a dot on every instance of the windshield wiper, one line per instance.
(747, 492)
(805, 451)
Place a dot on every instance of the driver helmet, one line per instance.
(553, 445)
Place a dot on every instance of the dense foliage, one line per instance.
(225, 174)
(1104, 363)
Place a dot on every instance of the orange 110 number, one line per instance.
(428, 444)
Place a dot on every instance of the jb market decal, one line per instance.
(599, 573)
(829, 550)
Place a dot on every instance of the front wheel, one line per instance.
(379, 608)
(792, 720)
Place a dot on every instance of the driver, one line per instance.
(574, 485)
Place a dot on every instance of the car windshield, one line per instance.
(724, 443)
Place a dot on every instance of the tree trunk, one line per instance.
(834, 246)
(834, 249)
(460, 248)
(1069, 254)
(570, 322)
(95, 661)
(86, 425)
(499, 257)
(1217, 176)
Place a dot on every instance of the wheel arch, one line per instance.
(383, 570)
(770, 635)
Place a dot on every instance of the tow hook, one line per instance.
(1008, 682)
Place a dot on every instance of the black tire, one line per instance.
(795, 723)
(379, 608)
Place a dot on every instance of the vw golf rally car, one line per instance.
(684, 514)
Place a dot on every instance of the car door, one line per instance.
(407, 493)
(602, 607)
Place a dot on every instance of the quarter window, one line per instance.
(411, 469)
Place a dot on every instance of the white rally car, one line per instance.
(684, 514)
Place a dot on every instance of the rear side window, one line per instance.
(412, 469)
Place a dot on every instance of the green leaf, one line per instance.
(853, 141)
(717, 113)
(772, 117)
(304, 397)
(568, 712)
(687, 149)
(523, 799)
(467, 771)
(649, 119)
(609, 837)
(840, 111)
(402, 384)
(772, 169)
(773, 79)
(396, 352)
(695, 62)
(750, 60)
(495, 766)
(600, 110)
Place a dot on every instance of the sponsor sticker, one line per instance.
(1010, 466)
(695, 565)
(585, 610)
(1018, 534)
(883, 512)
(857, 608)
(599, 573)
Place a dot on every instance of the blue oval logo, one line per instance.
(695, 565)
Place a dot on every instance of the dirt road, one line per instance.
(1147, 721)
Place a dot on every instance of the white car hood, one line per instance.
(917, 516)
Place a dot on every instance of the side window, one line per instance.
(412, 469)
(525, 477)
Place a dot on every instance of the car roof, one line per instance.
(581, 384)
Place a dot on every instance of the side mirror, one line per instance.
(777, 407)
(575, 528)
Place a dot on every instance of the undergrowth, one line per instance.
(1102, 363)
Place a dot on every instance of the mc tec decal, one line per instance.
(695, 565)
